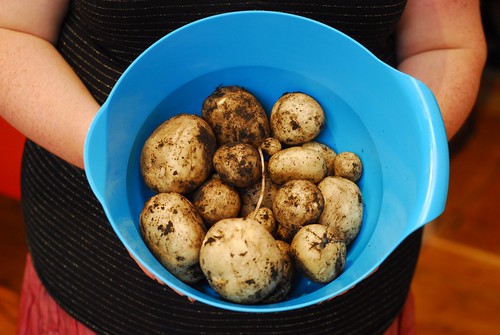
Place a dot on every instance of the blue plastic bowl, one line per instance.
(389, 119)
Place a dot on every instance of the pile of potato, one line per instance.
(246, 201)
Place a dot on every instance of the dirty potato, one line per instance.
(297, 163)
(177, 156)
(270, 146)
(317, 254)
(296, 118)
(297, 203)
(236, 115)
(328, 153)
(238, 164)
(216, 200)
(173, 231)
(348, 165)
(343, 211)
(241, 260)
(265, 217)
(285, 233)
(250, 195)
(284, 286)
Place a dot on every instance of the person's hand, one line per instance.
(146, 271)
(152, 276)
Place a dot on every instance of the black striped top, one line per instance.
(76, 253)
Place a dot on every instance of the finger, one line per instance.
(182, 294)
(146, 271)
(152, 276)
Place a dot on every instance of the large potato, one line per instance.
(297, 163)
(177, 156)
(317, 254)
(236, 115)
(296, 118)
(284, 286)
(173, 231)
(241, 260)
(343, 211)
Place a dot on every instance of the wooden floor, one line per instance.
(457, 283)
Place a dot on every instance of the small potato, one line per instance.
(317, 255)
(177, 156)
(348, 165)
(236, 115)
(265, 217)
(241, 260)
(250, 195)
(216, 200)
(285, 233)
(343, 211)
(270, 146)
(297, 163)
(296, 118)
(297, 203)
(327, 152)
(284, 286)
(173, 231)
(238, 164)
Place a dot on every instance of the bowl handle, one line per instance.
(434, 195)
(95, 153)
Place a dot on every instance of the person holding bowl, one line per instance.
(59, 61)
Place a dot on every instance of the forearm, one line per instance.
(441, 43)
(454, 76)
(42, 97)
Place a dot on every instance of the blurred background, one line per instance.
(457, 282)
